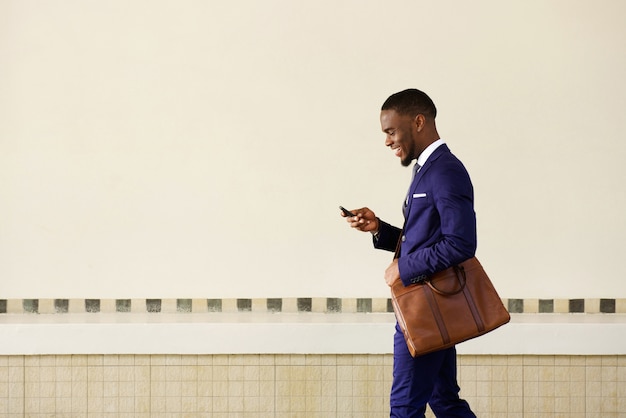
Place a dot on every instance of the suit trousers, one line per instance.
(428, 379)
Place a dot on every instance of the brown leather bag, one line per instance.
(450, 307)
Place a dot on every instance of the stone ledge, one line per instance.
(310, 333)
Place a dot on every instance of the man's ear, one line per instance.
(419, 122)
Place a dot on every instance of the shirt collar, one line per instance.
(423, 157)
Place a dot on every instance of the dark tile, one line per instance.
(516, 305)
(364, 305)
(244, 305)
(305, 304)
(123, 305)
(3, 306)
(30, 305)
(607, 305)
(61, 305)
(577, 305)
(333, 305)
(389, 305)
(183, 305)
(92, 305)
(275, 305)
(214, 305)
(546, 305)
(153, 305)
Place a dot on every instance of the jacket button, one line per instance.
(403, 238)
(419, 278)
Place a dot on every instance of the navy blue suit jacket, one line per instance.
(440, 222)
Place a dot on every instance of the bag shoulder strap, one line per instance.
(399, 244)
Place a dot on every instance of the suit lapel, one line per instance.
(421, 173)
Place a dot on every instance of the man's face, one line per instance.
(401, 132)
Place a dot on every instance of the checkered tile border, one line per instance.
(277, 305)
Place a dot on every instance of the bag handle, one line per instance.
(462, 282)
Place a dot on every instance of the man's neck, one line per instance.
(423, 157)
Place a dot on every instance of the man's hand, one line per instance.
(392, 273)
(364, 220)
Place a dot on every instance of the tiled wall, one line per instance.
(290, 385)
(297, 386)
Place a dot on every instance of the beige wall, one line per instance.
(200, 149)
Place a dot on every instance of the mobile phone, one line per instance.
(346, 211)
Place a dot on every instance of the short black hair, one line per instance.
(411, 102)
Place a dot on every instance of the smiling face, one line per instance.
(403, 135)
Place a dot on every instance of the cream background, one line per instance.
(201, 148)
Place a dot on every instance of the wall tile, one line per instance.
(290, 305)
(576, 305)
(546, 305)
(305, 304)
(244, 305)
(92, 305)
(379, 305)
(561, 306)
(153, 305)
(199, 305)
(389, 305)
(30, 305)
(348, 305)
(274, 305)
(184, 305)
(531, 305)
(214, 305)
(607, 306)
(108, 305)
(168, 305)
(61, 306)
(137, 306)
(515, 305)
(333, 305)
(364, 305)
(592, 306)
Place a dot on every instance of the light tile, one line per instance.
(531, 305)
(290, 305)
(561, 306)
(592, 306)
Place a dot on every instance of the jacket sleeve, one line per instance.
(388, 236)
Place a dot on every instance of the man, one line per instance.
(439, 232)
